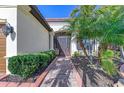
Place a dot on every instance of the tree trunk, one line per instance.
(100, 52)
(121, 54)
(83, 48)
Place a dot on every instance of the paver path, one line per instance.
(62, 74)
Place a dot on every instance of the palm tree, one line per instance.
(81, 22)
(104, 24)
(111, 23)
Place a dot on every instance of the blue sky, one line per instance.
(56, 11)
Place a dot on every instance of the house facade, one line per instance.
(67, 43)
(24, 30)
(28, 32)
(34, 33)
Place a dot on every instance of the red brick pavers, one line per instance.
(12, 84)
(3, 76)
(62, 74)
(3, 84)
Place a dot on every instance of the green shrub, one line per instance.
(107, 62)
(26, 65)
(54, 53)
(108, 54)
(44, 59)
(76, 54)
(51, 53)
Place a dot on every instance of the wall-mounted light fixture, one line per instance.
(7, 29)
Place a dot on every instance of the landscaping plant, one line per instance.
(102, 23)
(26, 65)
(76, 54)
(107, 62)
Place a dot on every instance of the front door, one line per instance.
(2, 52)
(64, 45)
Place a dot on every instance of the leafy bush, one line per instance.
(108, 54)
(44, 59)
(51, 53)
(107, 62)
(76, 54)
(26, 65)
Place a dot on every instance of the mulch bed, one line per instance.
(93, 76)
(16, 78)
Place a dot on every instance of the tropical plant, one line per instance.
(76, 54)
(104, 24)
(80, 26)
(107, 63)
(111, 22)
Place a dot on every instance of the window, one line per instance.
(88, 44)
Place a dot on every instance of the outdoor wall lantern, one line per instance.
(7, 29)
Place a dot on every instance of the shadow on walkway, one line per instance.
(62, 74)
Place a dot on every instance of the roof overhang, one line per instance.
(56, 19)
(36, 13)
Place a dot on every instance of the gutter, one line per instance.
(57, 19)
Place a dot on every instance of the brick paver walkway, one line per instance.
(62, 74)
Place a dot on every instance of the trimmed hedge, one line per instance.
(26, 65)
(51, 53)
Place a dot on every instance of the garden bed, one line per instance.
(29, 68)
(25, 83)
(17, 78)
(93, 76)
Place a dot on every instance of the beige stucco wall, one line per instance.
(32, 36)
(9, 13)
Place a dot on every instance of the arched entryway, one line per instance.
(62, 43)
